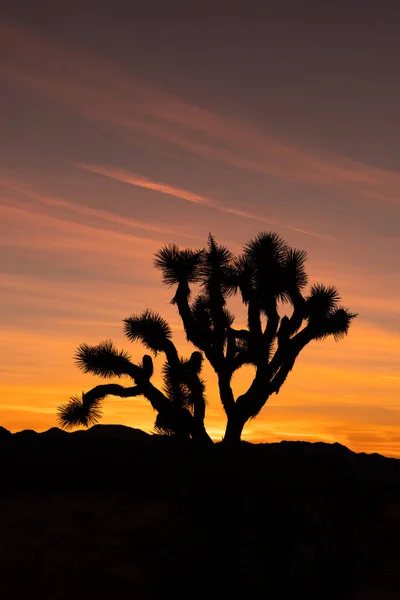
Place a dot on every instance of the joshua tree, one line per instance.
(268, 275)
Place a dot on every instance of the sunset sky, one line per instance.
(123, 129)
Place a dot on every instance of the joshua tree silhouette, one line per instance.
(268, 274)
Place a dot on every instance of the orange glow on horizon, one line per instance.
(109, 166)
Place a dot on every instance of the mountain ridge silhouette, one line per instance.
(115, 431)
(329, 513)
(127, 433)
(111, 446)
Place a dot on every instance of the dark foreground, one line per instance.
(114, 513)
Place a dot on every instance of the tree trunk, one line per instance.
(234, 430)
(200, 435)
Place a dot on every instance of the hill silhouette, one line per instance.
(312, 462)
(115, 511)
(111, 431)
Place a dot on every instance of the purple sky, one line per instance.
(126, 127)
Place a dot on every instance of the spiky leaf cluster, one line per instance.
(76, 413)
(149, 328)
(103, 360)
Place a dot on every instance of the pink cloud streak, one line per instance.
(13, 185)
(144, 182)
(103, 92)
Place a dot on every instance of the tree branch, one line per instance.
(253, 317)
(225, 390)
(269, 380)
(196, 387)
(269, 332)
(174, 362)
(109, 389)
(294, 347)
(296, 319)
(181, 299)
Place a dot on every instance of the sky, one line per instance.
(124, 128)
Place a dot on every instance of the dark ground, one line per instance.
(114, 513)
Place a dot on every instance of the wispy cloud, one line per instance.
(74, 236)
(143, 182)
(14, 185)
(155, 186)
(82, 268)
(103, 92)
